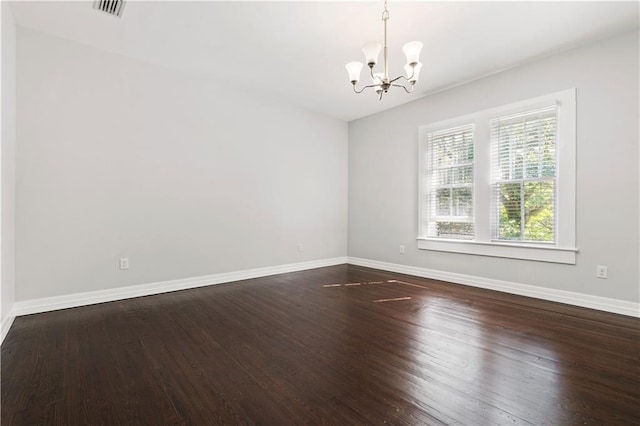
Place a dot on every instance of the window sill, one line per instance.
(508, 250)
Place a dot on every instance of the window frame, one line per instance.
(564, 249)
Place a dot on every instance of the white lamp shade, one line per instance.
(354, 68)
(412, 51)
(413, 69)
(371, 51)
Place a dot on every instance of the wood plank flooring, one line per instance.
(380, 348)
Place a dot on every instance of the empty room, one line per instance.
(320, 212)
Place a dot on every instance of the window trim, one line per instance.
(564, 249)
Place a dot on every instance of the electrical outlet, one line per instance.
(124, 263)
(401, 249)
(300, 247)
(601, 271)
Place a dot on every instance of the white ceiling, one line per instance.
(296, 51)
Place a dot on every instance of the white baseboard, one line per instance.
(80, 299)
(6, 326)
(578, 299)
(46, 304)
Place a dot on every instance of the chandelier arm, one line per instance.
(362, 90)
(405, 89)
(413, 71)
(371, 72)
(398, 78)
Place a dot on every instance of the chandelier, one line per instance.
(380, 80)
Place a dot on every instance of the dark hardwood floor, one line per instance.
(296, 349)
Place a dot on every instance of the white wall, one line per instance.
(383, 171)
(7, 230)
(118, 159)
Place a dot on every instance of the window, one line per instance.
(450, 191)
(501, 182)
(523, 170)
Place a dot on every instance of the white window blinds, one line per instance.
(524, 176)
(449, 212)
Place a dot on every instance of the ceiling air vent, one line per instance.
(112, 7)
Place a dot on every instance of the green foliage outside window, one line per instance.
(527, 158)
(538, 211)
